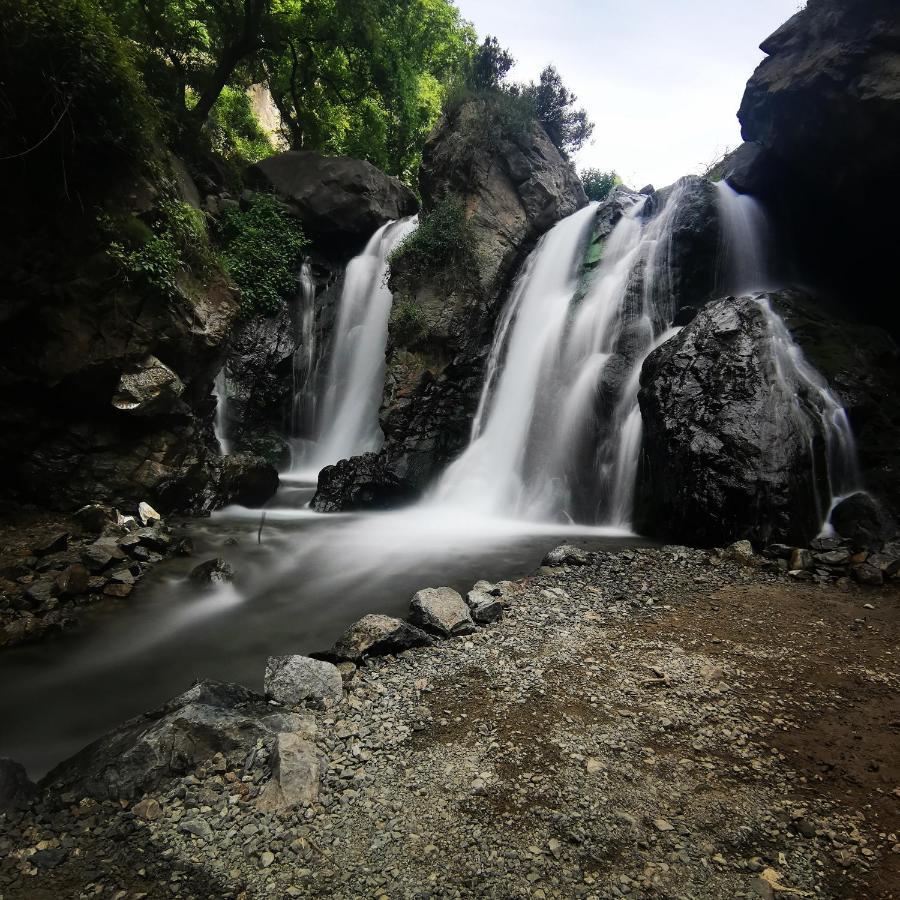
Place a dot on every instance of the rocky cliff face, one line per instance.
(106, 374)
(512, 185)
(822, 118)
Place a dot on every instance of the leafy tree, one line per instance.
(598, 185)
(197, 44)
(568, 128)
(490, 64)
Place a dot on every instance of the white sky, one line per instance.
(662, 79)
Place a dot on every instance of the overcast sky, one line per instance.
(662, 79)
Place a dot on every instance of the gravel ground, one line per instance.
(657, 724)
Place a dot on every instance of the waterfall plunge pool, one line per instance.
(299, 582)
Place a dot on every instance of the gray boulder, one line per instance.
(441, 610)
(484, 607)
(378, 635)
(337, 198)
(567, 555)
(292, 680)
(295, 771)
(210, 718)
(149, 387)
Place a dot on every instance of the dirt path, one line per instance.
(652, 726)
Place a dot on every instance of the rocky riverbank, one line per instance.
(648, 723)
(52, 566)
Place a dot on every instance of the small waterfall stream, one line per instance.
(220, 426)
(303, 365)
(338, 413)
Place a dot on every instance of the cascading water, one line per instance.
(806, 396)
(745, 268)
(303, 365)
(744, 258)
(344, 417)
(220, 392)
(558, 430)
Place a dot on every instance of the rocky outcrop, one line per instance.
(512, 185)
(726, 455)
(822, 117)
(362, 482)
(210, 718)
(339, 200)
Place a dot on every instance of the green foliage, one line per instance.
(74, 107)
(234, 131)
(443, 243)
(262, 249)
(568, 128)
(408, 323)
(599, 185)
(174, 243)
(490, 65)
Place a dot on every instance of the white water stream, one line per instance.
(343, 413)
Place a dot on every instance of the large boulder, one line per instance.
(442, 611)
(337, 198)
(149, 386)
(210, 718)
(361, 482)
(292, 680)
(863, 520)
(727, 453)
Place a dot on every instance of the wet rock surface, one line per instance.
(725, 455)
(368, 481)
(629, 729)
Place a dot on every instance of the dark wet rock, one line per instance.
(823, 108)
(442, 611)
(156, 538)
(723, 458)
(54, 545)
(210, 718)
(889, 563)
(292, 680)
(863, 520)
(337, 199)
(16, 789)
(832, 558)
(865, 573)
(40, 592)
(73, 580)
(184, 547)
(377, 635)
(149, 387)
(95, 517)
(213, 571)
(778, 551)
(120, 590)
(361, 482)
(244, 479)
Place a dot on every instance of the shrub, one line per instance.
(262, 250)
(175, 242)
(598, 185)
(442, 243)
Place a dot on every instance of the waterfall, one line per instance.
(815, 410)
(303, 364)
(745, 267)
(220, 392)
(558, 429)
(345, 414)
(744, 258)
